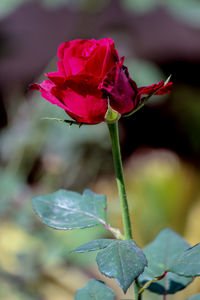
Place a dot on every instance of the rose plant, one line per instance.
(92, 85)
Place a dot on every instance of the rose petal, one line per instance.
(84, 108)
(157, 89)
(46, 92)
(59, 76)
(56, 78)
(88, 57)
(75, 47)
(120, 88)
(74, 55)
(84, 84)
(61, 49)
(166, 89)
(103, 60)
(111, 57)
(162, 89)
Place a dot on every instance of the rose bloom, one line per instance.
(90, 75)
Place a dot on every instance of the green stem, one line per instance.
(136, 286)
(114, 134)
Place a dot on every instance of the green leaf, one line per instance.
(195, 297)
(93, 245)
(68, 210)
(95, 290)
(122, 260)
(161, 254)
(187, 264)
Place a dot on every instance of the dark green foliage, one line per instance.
(187, 264)
(122, 260)
(93, 245)
(162, 253)
(95, 290)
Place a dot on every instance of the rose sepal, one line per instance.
(111, 115)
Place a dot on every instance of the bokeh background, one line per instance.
(160, 144)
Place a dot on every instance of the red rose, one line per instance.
(89, 75)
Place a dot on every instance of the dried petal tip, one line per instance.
(34, 86)
(166, 89)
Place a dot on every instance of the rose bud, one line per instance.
(90, 79)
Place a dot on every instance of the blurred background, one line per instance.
(160, 144)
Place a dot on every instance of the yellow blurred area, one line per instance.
(192, 232)
(161, 190)
(14, 241)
